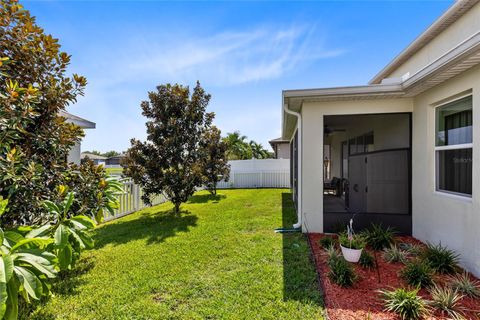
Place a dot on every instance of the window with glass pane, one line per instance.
(454, 146)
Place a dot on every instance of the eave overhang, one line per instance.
(460, 58)
(457, 10)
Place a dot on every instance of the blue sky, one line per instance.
(243, 53)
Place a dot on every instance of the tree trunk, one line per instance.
(177, 208)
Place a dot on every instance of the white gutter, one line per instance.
(299, 163)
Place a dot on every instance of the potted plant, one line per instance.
(351, 244)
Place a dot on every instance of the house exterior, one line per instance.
(74, 155)
(115, 160)
(94, 157)
(404, 149)
(281, 148)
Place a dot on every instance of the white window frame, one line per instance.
(449, 147)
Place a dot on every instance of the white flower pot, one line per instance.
(351, 255)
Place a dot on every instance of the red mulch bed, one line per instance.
(362, 301)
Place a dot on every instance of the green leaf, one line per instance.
(65, 257)
(39, 232)
(68, 203)
(38, 262)
(99, 216)
(3, 206)
(77, 238)
(13, 237)
(38, 242)
(2, 236)
(30, 283)
(87, 239)
(8, 266)
(85, 221)
(51, 207)
(12, 301)
(61, 236)
(5, 269)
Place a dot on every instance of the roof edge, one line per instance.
(450, 16)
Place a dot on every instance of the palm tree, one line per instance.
(237, 147)
(258, 152)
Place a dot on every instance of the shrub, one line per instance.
(95, 191)
(379, 238)
(440, 258)
(407, 304)
(357, 241)
(367, 261)
(327, 242)
(463, 284)
(417, 273)
(395, 254)
(411, 248)
(341, 272)
(333, 253)
(447, 300)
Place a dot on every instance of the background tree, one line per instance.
(239, 149)
(34, 89)
(237, 146)
(258, 152)
(214, 161)
(111, 153)
(169, 161)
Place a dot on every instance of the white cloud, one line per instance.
(230, 58)
(121, 72)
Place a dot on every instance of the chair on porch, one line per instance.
(333, 186)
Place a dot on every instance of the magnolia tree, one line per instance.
(35, 138)
(172, 161)
(214, 161)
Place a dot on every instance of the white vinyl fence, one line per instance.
(131, 200)
(265, 173)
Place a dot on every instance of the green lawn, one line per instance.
(219, 259)
(114, 171)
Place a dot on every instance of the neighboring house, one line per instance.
(115, 160)
(281, 148)
(404, 150)
(74, 155)
(94, 157)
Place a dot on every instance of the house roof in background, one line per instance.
(92, 156)
(82, 123)
(458, 9)
(280, 140)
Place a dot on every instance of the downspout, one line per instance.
(299, 174)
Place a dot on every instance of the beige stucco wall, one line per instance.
(312, 148)
(75, 154)
(454, 221)
(463, 28)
